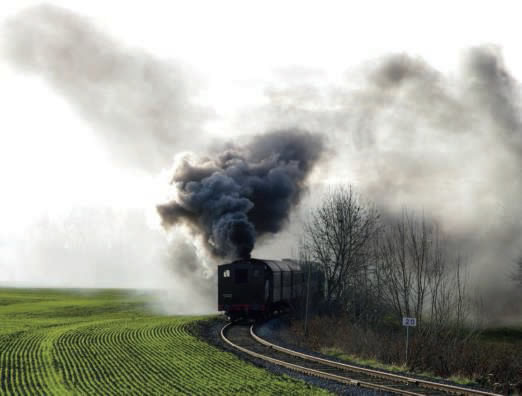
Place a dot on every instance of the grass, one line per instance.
(373, 363)
(339, 354)
(106, 342)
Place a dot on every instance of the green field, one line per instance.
(104, 343)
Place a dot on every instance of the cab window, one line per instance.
(226, 274)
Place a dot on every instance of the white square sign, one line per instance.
(409, 321)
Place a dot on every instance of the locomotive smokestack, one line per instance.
(242, 192)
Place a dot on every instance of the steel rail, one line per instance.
(313, 372)
(458, 390)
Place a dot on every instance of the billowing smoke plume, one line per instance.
(446, 145)
(141, 107)
(243, 192)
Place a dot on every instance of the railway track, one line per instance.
(243, 338)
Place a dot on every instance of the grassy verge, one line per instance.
(490, 358)
(373, 363)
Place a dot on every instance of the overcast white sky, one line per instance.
(49, 160)
(228, 43)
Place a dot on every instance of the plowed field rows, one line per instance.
(106, 343)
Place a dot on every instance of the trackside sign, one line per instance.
(409, 322)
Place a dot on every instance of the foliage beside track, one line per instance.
(106, 342)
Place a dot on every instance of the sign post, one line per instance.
(408, 322)
(307, 298)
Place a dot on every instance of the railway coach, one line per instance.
(255, 288)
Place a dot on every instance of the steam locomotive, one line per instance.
(254, 288)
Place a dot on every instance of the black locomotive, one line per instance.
(256, 288)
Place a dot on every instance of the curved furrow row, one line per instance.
(123, 340)
(172, 338)
(119, 355)
(34, 365)
(74, 377)
(155, 354)
(9, 368)
(22, 365)
(78, 352)
(144, 374)
(106, 351)
(192, 361)
(139, 342)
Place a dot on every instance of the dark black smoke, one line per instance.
(243, 192)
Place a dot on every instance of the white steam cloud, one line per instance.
(449, 146)
(113, 248)
(141, 107)
(143, 110)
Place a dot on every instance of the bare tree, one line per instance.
(449, 303)
(338, 237)
(408, 252)
(517, 272)
(419, 275)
